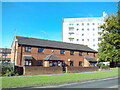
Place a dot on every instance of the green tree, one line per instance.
(109, 48)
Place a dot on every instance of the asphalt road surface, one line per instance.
(100, 84)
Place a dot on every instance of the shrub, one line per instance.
(8, 69)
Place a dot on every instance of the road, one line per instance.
(98, 84)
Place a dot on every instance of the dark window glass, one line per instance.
(87, 23)
(40, 49)
(82, 23)
(28, 62)
(4, 54)
(71, 63)
(27, 48)
(71, 52)
(51, 63)
(77, 24)
(40, 63)
(80, 53)
(77, 39)
(93, 23)
(62, 52)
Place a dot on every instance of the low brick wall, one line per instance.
(81, 69)
(37, 70)
(105, 68)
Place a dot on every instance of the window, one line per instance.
(71, 52)
(0, 51)
(70, 24)
(71, 39)
(62, 52)
(58, 63)
(77, 39)
(87, 39)
(93, 45)
(40, 49)
(93, 23)
(27, 48)
(82, 29)
(28, 62)
(82, 39)
(71, 63)
(40, 63)
(80, 53)
(77, 24)
(93, 39)
(88, 29)
(51, 63)
(82, 23)
(80, 63)
(93, 34)
(93, 29)
(87, 23)
(4, 54)
(82, 34)
(77, 29)
(70, 29)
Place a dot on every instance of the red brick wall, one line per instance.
(37, 70)
(47, 51)
(81, 69)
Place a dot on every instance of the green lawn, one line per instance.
(54, 79)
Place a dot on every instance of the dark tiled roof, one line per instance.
(5, 50)
(52, 57)
(52, 44)
(90, 58)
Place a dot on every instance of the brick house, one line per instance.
(5, 55)
(45, 53)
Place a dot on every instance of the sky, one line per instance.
(44, 19)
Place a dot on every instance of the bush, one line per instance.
(8, 69)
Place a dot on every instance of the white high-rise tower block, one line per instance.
(83, 30)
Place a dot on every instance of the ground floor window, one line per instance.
(28, 62)
(54, 63)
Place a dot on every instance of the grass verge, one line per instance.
(54, 79)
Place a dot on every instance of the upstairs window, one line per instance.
(77, 24)
(82, 23)
(40, 49)
(62, 52)
(27, 49)
(87, 23)
(80, 53)
(71, 52)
